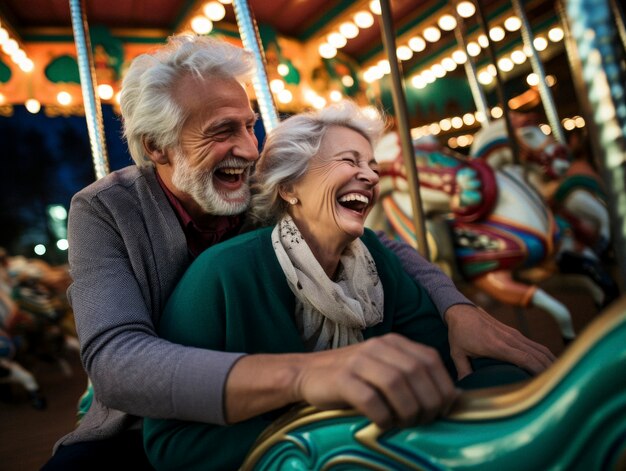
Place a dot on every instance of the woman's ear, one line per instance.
(286, 193)
(158, 156)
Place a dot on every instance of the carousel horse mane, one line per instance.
(572, 416)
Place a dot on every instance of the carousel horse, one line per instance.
(498, 224)
(572, 416)
(573, 190)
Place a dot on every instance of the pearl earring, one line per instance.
(293, 201)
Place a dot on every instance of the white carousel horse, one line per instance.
(572, 190)
(499, 223)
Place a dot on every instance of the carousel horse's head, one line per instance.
(538, 150)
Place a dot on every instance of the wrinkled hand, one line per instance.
(391, 380)
(473, 333)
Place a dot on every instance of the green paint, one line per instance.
(63, 69)
(5, 72)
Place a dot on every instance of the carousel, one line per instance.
(503, 163)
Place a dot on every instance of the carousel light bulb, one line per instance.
(550, 80)
(496, 112)
(118, 97)
(438, 71)
(214, 11)
(336, 40)
(349, 30)
(432, 34)
(445, 124)
(364, 19)
(483, 41)
(428, 76)
(448, 64)
(417, 44)
(532, 79)
(39, 249)
(466, 9)
(277, 85)
(485, 78)
(469, 119)
(327, 51)
(33, 106)
(319, 102)
(10, 46)
(569, 124)
(492, 70)
(434, 128)
(64, 98)
(201, 24)
(283, 70)
(347, 81)
(457, 122)
(285, 96)
(473, 49)
(512, 23)
(404, 53)
(335, 95)
(452, 143)
(18, 56)
(26, 65)
(105, 91)
(518, 57)
(496, 33)
(546, 129)
(4, 36)
(556, 34)
(447, 22)
(540, 43)
(418, 82)
(375, 7)
(505, 64)
(384, 67)
(459, 57)
(463, 141)
(579, 121)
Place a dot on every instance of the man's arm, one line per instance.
(471, 331)
(132, 369)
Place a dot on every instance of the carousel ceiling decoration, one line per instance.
(317, 51)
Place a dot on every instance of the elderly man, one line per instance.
(190, 130)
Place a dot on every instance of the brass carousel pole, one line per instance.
(470, 70)
(251, 40)
(595, 61)
(499, 85)
(93, 110)
(401, 113)
(544, 91)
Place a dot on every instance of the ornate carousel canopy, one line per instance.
(317, 51)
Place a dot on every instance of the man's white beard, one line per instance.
(200, 187)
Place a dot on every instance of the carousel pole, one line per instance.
(499, 85)
(86, 70)
(535, 62)
(595, 62)
(470, 70)
(252, 41)
(402, 120)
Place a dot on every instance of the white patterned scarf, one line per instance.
(329, 314)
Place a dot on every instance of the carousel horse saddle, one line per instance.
(572, 416)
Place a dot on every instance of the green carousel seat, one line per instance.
(571, 417)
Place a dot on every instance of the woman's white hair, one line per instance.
(289, 149)
(148, 107)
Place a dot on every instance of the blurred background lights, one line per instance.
(540, 43)
(327, 51)
(496, 33)
(447, 22)
(496, 112)
(512, 23)
(33, 106)
(417, 43)
(432, 34)
(39, 249)
(214, 11)
(473, 49)
(201, 24)
(283, 70)
(105, 91)
(556, 34)
(375, 7)
(62, 244)
(483, 41)
(465, 9)
(337, 40)
(64, 98)
(285, 96)
(404, 53)
(349, 30)
(364, 19)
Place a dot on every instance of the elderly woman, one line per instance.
(313, 279)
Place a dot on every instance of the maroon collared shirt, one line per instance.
(202, 236)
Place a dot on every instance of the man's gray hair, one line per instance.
(290, 147)
(148, 107)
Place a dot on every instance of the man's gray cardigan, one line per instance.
(127, 252)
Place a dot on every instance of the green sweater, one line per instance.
(235, 298)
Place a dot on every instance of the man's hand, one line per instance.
(474, 333)
(390, 379)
